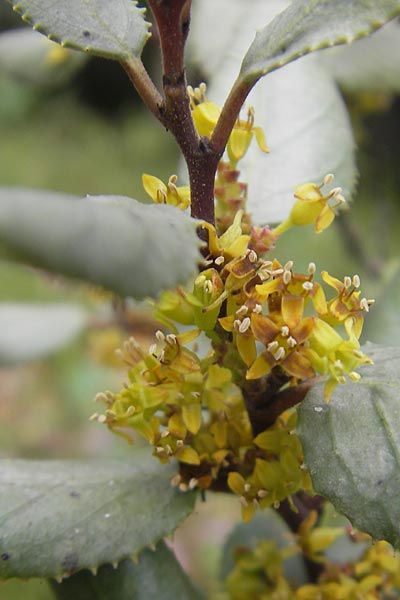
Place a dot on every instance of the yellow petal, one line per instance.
(152, 185)
(259, 368)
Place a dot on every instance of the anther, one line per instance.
(102, 418)
(272, 346)
(256, 504)
(168, 449)
(308, 286)
(236, 324)
(288, 266)
(279, 354)
(287, 277)
(179, 443)
(257, 309)
(159, 450)
(244, 325)
(347, 282)
(165, 433)
(160, 336)
(328, 179)
(356, 281)
(284, 330)
(364, 304)
(252, 256)
(291, 342)
(242, 311)
(153, 349)
(219, 260)
(311, 268)
(171, 339)
(208, 286)
(193, 483)
(247, 487)
(355, 376)
(243, 501)
(262, 493)
(183, 487)
(176, 479)
(94, 417)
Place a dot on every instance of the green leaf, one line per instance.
(352, 445)
(308, 25)
(157, 575)
(131, 248)
(115, 30)
(57, 517)
(296, 131)
(371, 64)
(267, 525)
(29, 331)
(31, 58)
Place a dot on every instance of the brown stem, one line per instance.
(144, 85)
(265, 402)
(229, 114)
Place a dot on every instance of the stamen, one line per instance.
(236, 324)
(364, 304)
(183, 487)
(272, 346)
(291, 342)
(257, 309)
(311, 268)
(160, 336)
(219, 260)
(193, 483)
(208, 287)
(356, 281)
(288, 266)
(171, 339)
(243, 501)
(262, 493)
(179, 443)
(308, 286)
(284, 331)
(252, 256)
(347, 282)
(287, 277)
(242, 311)
(328, 179)
(245, 324)
(247, 487)
(176, 480)
(256, 503)
(279, 354)
(165, 433)
(153, 349)
(355, 376)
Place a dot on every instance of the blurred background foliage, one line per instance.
(92, 136)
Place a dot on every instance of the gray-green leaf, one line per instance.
(58, 517)
(131, 248)
(115, 30)
(352, 445)
(32, 331)
(308, 25)
(157, 575)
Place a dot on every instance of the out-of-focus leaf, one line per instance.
(352, 445)
(157, 575)
(267, 525)
(115, 30)
(132, 248)
(308, 25)
(29, 57)
(58, 517)
(300, 109)
(371, 64)
(29, 331)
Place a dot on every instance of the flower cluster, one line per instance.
(266, 325)
(259, 574)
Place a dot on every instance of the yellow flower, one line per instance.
(205, 116)
(313, 207)
(166, 194)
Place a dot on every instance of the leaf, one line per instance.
(308, 25)
(157, 575)
(29, 331)
(131, 248)
(300, 109)
(267, 525)
(57, 517)
(29, 57)
(115, 30)
(352, 445)
(371, 64)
